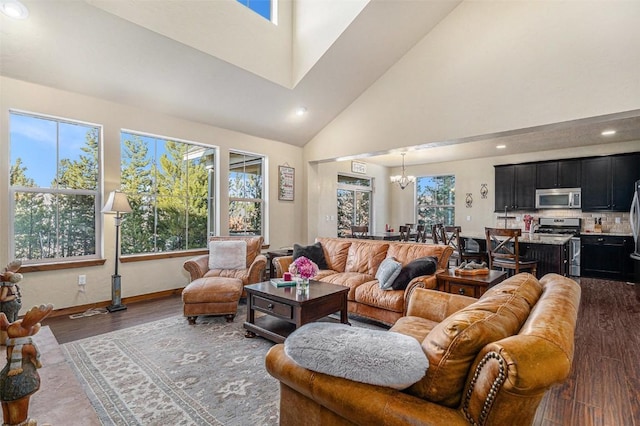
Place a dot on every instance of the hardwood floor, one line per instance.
(604, 385)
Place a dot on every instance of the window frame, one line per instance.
(77, 261)
(213, 217)
(264, 201)
(452, 206)
(355, 189)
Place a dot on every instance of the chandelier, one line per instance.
(403, 180)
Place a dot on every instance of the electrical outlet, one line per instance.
(82, 279)
(468, 218)
(617, 220)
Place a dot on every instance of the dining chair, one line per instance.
(451, 236)
(436, 233)
(360, 231)
(421, 236)
(405, 232)
(504, 252)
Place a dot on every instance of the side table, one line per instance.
(272, 254)
(468, 285)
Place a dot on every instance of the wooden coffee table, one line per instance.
(468, 285)
(286, 310)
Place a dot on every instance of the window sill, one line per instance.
(61, 265)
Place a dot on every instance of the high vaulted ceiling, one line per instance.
(79, 47)
(122, 55)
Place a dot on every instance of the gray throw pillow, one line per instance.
(388, 271)
(382, 358)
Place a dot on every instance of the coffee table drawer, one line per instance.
(278, 309)
(465, 290)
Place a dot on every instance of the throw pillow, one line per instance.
(387, 273)
(416, 268)
(377, 357)
(313, 252)
(227, 255)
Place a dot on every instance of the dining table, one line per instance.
(389, 236)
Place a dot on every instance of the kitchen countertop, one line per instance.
(610, 234)
(553, 239)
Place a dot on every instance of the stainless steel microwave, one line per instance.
(559, 198)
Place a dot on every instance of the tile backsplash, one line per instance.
(609, 220)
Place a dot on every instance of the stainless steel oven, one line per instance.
(574, 257)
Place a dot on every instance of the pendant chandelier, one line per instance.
(403, 180)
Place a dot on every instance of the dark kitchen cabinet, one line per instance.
(515, 187)
(552, 258)
(558, 174)
(606, 256)
(607, 182)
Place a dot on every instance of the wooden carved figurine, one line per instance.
(19, 379)
(10, 298)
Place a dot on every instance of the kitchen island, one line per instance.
(550, 250)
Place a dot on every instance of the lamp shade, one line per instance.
(117, 203)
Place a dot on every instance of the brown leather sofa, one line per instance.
(354, 263)
(198, 267)
(490, 361)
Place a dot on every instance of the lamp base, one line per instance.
(116, 299)
(115, 308)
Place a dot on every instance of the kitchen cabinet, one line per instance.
(608, 182)
(606, 256)
(552, 258)
(558, 174)
(515, 187)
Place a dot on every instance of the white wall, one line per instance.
(60, 287)
(490, 67)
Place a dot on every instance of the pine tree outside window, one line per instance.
(246, 194)
(170, 185)
(436, 200)
(54, 188)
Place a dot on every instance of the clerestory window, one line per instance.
(261, 7)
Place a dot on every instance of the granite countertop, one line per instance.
(553, 239)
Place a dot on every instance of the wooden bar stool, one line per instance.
(503, 251)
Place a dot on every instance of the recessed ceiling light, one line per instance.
(14, 9)
(501, 146)
(608, 133)
(300, 111)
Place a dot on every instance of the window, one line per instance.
(246, 189)
(436, 199)
(170, 186)
(54, 188)
(354, 203)
(261, 7)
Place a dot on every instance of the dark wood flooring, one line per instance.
(603, 388)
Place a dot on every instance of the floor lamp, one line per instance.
(116, 203)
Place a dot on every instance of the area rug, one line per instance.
(167, 372)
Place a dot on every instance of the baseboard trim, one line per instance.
(127, 300)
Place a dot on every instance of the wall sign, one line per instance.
(286, 183)
(358, 167)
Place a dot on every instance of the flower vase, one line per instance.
(302, 285)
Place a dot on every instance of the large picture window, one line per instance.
(436, 200)
(170, 186)
(54, 186)
(246, 194)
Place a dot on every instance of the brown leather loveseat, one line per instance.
(354, 263)
(490, 361)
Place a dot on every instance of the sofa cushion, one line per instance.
(416, 268)
(353, 280)
(363, 355)
(372, 295)
(453, 344)
(335, 252)
(388, 271)
(313, 252)
(228, 254)
(365, 257)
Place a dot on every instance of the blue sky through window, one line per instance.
(261, 7)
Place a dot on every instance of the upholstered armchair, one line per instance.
(198, 267)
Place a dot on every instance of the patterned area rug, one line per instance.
(170, 373)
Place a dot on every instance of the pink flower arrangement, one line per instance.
(527, 221)
(304, 267)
